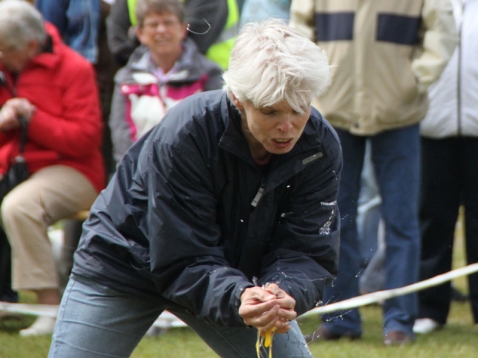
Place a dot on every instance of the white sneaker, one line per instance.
(42, 325)
(425, 326)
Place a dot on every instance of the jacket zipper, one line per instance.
(305, 161)
(258, 196)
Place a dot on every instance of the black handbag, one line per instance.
(18, 171)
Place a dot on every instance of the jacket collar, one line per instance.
(233, 140)
(49, 56)
(284, 166)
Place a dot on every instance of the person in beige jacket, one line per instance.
(385, 55)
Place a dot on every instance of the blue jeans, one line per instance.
(395, 156)
(96, 321)
(77, 21)
(369, 212)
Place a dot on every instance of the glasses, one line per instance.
(153, 26)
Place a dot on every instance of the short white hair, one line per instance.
(20, 23)
(271, 62)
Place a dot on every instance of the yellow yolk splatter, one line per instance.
(264, 339)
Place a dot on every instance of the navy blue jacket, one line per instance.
(189, 216)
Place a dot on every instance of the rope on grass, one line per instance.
(379, 296)
(167, 319)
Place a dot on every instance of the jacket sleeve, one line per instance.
(118, 25)
(304, 257)
(77, 131)
(439, 41)
(215, 12)
(302, 14)
(120, 131)
(189, 267)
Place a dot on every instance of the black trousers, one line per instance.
(449, 179)
(6, 292)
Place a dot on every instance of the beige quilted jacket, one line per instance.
(385, 53)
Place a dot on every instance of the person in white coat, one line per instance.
(449, 140)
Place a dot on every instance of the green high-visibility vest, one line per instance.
(220, 51)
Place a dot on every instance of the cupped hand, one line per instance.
(268, 309)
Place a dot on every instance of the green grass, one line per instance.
(458, 339)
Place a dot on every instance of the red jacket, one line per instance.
(66, 128)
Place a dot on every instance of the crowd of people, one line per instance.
(223, 155)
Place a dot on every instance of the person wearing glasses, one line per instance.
(167, 68)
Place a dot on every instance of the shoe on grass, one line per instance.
(397, 338)
(42, 326)
(425, 326)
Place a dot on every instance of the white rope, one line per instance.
(33, 309)
(379, 296)
(167, 319)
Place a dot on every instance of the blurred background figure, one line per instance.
(259, 10)
(166, 69)
(54, 89)
(449, 139)
(77, 21)
(213, 25)
(82, 26)
(386, 54)
(7, 294)
(370, 229)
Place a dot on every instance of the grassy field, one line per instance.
(458, 339)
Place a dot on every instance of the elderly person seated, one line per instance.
(53, 88)
(167, 68)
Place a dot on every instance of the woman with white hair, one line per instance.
(224, 214)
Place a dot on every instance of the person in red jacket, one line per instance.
(54, 89)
